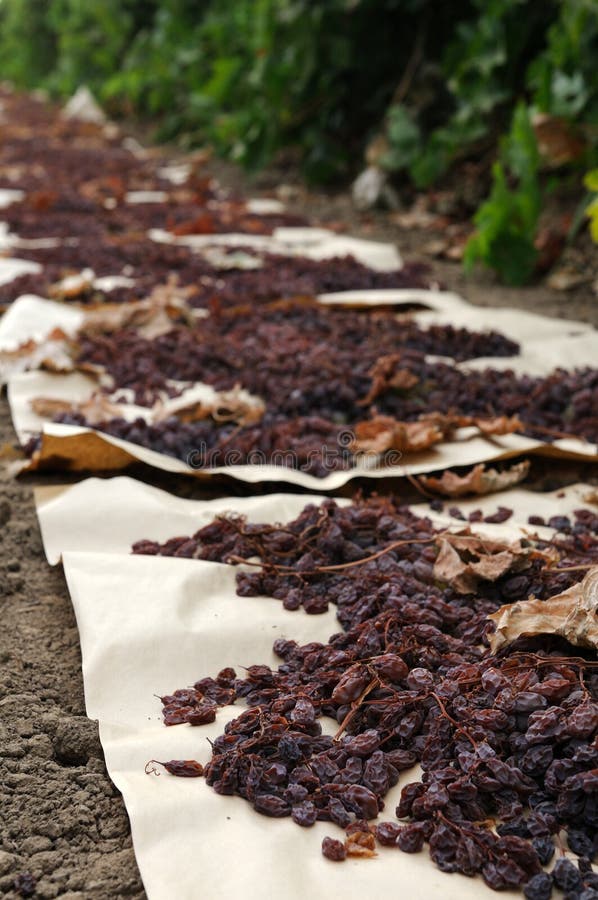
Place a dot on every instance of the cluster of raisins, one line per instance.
(506, 743)
(76, 182)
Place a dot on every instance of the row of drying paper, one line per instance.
(546, 343)
(149, 625)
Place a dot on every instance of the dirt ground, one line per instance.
(62, 821)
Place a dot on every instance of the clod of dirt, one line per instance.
(76, 739)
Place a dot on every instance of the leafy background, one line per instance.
(442, 82)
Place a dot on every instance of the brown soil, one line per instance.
(62, 819)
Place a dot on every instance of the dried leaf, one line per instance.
(464, 559)
(479, 480)
(403, 380)
(410, 437)
(54, 353)
(573, 614)
(105, 187)
(374, 435)
(496, 425)
(559, 142)
(236, 405)
(384, 375)
(384, 433)
(96, 409)
(150, 317)
(202, 224)
(499, 425)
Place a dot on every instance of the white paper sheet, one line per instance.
(313, 243)
(121, 503)
(14, 268)
(121, 506)
(126, 510)
(150, 625)
(32, 318)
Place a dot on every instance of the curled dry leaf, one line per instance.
(385, 374)
(464, 559)
(480, 480)
(496, 425)
(239, 406)
(96, 409)
(150, 317)
(573, 614)
(384, 433)
(410, 437)
(202, 401)
(559, 141)
(499, 425)
(54, 353)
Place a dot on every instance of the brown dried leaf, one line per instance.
(499, 425)
(403, 380)
(411, 437)
(106, 187)
(239, 406)
(449, 567)
(573, 614)
(236, 405)
(385, 374)
(479, 480)
(150, 317)
(374, 435)
(464, 559)
(96, 409)
(385, 433)
(559, 141)
(201, 224)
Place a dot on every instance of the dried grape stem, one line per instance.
(355, 706)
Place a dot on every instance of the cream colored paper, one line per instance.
(75, 448)
(126, 510)
(79, 449)
(8, 196)
(150, 625)
(313, 243)
(33, 318)
(13, 268)
(546, 343)
(122, 506)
